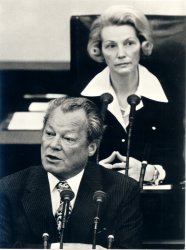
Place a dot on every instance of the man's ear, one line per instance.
(92, 148)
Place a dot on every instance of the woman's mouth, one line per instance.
(122, 64)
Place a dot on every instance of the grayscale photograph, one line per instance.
(92, 124)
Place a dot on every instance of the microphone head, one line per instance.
(106, 97)
(99, 196)
(67, 195)
(133, 100)
(110, 236)
(45, 235)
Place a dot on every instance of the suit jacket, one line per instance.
(26, 210)
(157, 137)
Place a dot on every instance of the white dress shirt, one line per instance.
(73, 182)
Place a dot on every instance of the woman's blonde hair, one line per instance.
(120, 15)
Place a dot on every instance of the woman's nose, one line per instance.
(121, 51)
(56, 143)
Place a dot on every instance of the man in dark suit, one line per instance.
(29, 199)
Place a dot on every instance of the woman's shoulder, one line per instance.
(97, 84)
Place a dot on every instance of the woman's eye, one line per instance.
(129, 43)
(110, 46)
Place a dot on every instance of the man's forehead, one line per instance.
(72, 119)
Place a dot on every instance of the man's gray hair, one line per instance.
(70, 104)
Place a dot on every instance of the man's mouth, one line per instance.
(53, 158)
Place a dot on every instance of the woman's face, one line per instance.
(120, 48)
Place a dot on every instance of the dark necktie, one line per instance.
(62, 185)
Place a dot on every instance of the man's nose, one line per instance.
(56, 143)
(121, 51)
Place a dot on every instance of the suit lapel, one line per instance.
(82, 216)
(38, 208)
(37, 203)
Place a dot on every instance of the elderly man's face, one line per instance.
(65, 148)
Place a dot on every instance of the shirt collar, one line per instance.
(73, 182)
(149, 85)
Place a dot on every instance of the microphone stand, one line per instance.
(144, 163)
(110, 241)
(128, 146)
(99, 197)
(96, 220)
(133, 100)
(45, 237)
(66, 196)
(142, 174)
(65, 214)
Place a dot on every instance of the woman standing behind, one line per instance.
(120, 37)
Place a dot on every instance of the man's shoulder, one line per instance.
(112, 177)
(117, 176)
(18, 178)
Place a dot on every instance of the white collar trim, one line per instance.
(149, 85)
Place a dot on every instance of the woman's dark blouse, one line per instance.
(157, 137)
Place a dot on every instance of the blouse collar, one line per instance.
(149, 87)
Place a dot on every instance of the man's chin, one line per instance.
(55, 170)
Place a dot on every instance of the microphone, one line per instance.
(133, 101)
(66, 196)
(99, 198)
(110, 241)
(142, 174)
(106, 99)
(45, 237)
